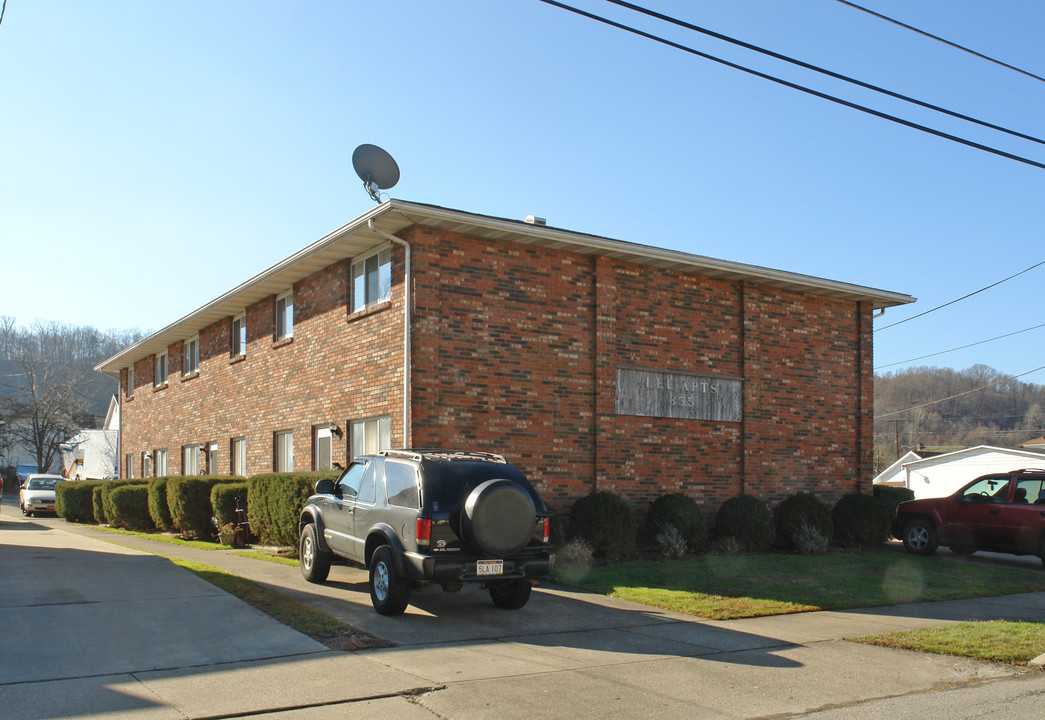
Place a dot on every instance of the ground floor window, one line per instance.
(322, 445)
(159, 462)
(128, 465)
(212, 458)
(190, 460)
(371, 435)
(239, 456)
(285, 451)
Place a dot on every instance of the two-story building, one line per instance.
(591, 363)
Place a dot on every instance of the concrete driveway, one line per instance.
(95, 630)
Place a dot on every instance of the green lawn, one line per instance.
(721, 587)
(996, 640)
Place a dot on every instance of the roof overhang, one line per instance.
(394, 216)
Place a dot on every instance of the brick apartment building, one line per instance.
(590, 363)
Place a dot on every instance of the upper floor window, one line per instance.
(372, 279)
(192, 357)
(130, 381)
(161, 368)
(285, 315)
(239, 335)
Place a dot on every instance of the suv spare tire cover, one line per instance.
(499, 517)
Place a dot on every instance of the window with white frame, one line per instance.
(285, 451)
(159, 462)
(323, 448)
(371, 279)
(239, 335)
(128, 465)
(371, 435)
(212, 458)
(239, 456)
(130, 381)
(147, 465)
(190, 459)
(285, 315)
(192, 356)
(161, 369)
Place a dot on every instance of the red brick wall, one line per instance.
(516, 350)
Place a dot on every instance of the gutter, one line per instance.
(407, 302)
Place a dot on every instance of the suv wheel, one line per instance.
(389, 593)
(510, 595)
(919, 537)
(315, 563)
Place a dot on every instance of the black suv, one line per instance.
(416, 517)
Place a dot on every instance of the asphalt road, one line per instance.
(97, 630)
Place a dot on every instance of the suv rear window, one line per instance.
(447, 484)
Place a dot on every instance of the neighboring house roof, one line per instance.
(1035, 444)
(972, 452)
(894, 474)
(393, 216)
(112, 417)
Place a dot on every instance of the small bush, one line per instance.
(275, 505)
(223, 499)
(130, 506)
(74, 500)
(748, 521)
(159, 510)
(605, 522)
(801, 509)
(808, 540)
(726, 545)
(860, 521)
(890, 497)
(189, 501)
(574, 554)
(98, 504)
(112, 516)
(684, 514)
(671, 542)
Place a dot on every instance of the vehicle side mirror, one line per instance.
(325, 487)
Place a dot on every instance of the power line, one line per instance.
(794, 86)
(962, 347)
(963, 297)
(940, 39)
(952, 397)
(822, 71)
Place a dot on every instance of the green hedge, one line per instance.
(684, 514)
(74, 500)
(98, 504)
(223, 500)
(109, 511)
(189, 501)
(604, 521)
(128, 506)
(748, 521)
(861, 521)
(159, 511)
(275, 504)
(796, 511)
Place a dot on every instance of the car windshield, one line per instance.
(41, 484)
(447, 484)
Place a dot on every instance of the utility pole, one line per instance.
(896, 433)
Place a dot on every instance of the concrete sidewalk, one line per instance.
(92, 629)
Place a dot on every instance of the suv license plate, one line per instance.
(489, 567)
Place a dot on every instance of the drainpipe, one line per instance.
(407, 302)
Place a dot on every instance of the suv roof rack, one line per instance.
(435, 454)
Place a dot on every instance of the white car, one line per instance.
(37, 494)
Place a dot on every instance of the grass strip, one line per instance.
(722, 587)
(159, 537)
(267, 557)
(296, 615)
(1015, 643)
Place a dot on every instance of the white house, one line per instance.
(941, 475)
(894, 475)
(92, 454)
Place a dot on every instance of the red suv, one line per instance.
(1000, 512)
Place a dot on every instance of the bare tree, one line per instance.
(46, 405)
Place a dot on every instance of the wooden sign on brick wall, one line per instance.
(658, 393)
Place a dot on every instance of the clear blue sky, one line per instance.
(156, 154)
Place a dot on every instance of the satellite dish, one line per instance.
(376, 169)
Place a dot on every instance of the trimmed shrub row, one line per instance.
(675, 523)
(275, 504)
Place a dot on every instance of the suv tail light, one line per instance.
(546, 525)
(423, 531)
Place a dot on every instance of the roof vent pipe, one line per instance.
(534, 220)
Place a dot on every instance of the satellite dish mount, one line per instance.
(376, 168)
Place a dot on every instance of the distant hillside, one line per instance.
(944, 407)
(98, 388)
